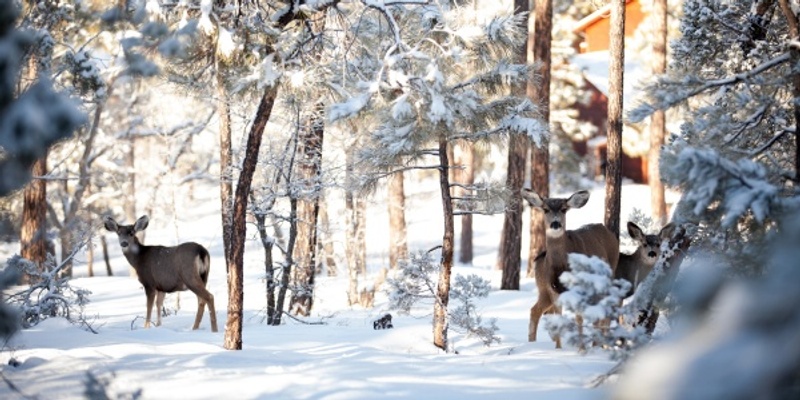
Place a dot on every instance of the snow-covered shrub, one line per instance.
(594, 295)
(415, 281)
(49, 296)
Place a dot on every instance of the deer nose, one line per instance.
(555, 225)
(123, 243)
(651, 254)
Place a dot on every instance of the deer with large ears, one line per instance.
(591, 240)
(164, 270)
(635, 267)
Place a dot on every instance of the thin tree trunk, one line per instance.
(233, 328)
(326, 239)
(355, 247)
(269, 268)
(90, 260)
(398, 246)
(511, 237)
(440, 318)
(793, 22)
(466, 178)
(614, 129)
(129, 188)
(33, 236)
(658, 120)
(225, 162)
(310, 166)
(104, 244)
(540, 41)
(286, 270)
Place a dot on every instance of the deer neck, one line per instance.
(557, 249)
(133, 252)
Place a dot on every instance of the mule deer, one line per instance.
(591, 240)
(164, 270)
(635, 267)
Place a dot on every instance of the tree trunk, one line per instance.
(540, 41)
(440, 318)
(225, 162)
(466, 177)
(326, 239)
(511, 236)
(398, 246)
(286, 270)
(269, 268)
(793, 22)
(104, 245)
(614, 128)
(235, 267)
(310, 167)
(658, 120)
(33, 236)
(355, 248)
(129, 188)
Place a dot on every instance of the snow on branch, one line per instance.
(669, 92)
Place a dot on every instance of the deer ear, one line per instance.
(667, 231)
(578, 199)
(635, 232)
(533, 198)
(141, 223)
(110, 224)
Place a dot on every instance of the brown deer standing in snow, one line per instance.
(164, 270)
(591, 240)
(635, 267)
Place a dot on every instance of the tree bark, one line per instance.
(129, 188)
(398, 246)
(326, 239)
(355, 247)
(614, 128)
(440, 318)
(466, 177)
(233, 328)
(33, 236)
(225, 161)
(658, 120)
(793, 22)
(310, 166)
(540, 42)
(511, 236)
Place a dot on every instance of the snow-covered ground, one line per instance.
(341, 358)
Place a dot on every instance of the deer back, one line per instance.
(170, 269)
(594, 240)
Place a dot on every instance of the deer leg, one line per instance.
(159, 306)
(542, 305)
(205, 297)
(151, 294)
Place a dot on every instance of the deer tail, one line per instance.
(203, 264)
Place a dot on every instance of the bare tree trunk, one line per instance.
(235, 267)
(540, 41)
(511, 237)
(355, 247)
(286, 269)
(129, 188)
(33, 236)
(440, 319)
(269, 268)
(104, 244)
(658, 120)
(466, 177)
(326, 239)
(398, 246)
(90, 260)
(793, 22)
(225, 161)
(614, 129)
(310, 166)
